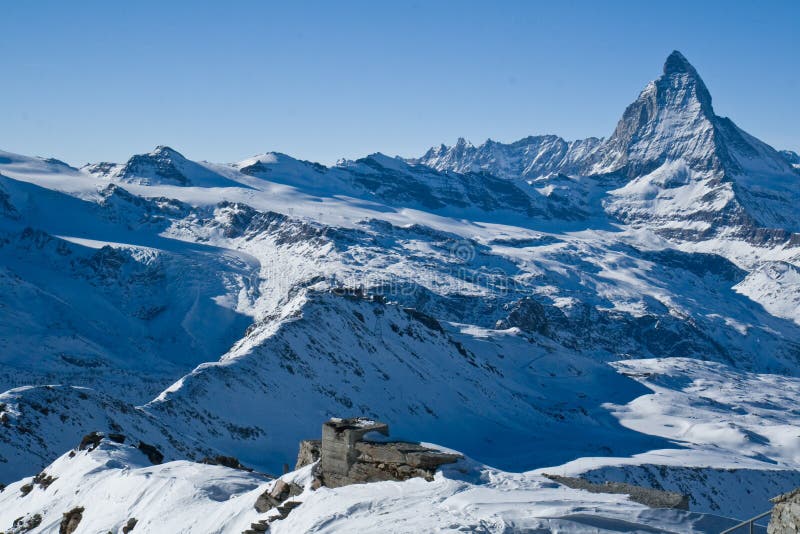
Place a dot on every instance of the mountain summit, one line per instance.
(669, 138)
(677, 63)
(672, 119)
(162, 166)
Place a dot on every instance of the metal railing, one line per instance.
(748, 523)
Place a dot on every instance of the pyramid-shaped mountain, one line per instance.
(674, 164)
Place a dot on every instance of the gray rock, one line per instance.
(273, 498)
(310, 450)
(70, 520)
(785, 518)
(129, 526)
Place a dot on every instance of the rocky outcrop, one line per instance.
(785, 518)
(310, 451)
(116, 438)
(25, 524)
(277, 495)
(70, 521)
(90, 441)
(44, 480)
(352, 452)
(152, 453)
(262, 525)
(278, 498)
(648, 496)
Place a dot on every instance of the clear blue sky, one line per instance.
(91, 80)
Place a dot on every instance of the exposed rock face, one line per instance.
(648, 496)
(152, 453)
(90, 441)
(526, 314)
(116, 438)
(163, 162)
(785, 517)
(349, 456)
(310, 450)
(129, 526)
(69, 523)
(671, 119)
(339, 437)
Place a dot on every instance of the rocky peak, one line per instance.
(162, 165)
(672, 119)
(680, 75)
(462, 143)
(165, 151)
(677, 63)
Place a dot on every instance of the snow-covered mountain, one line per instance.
(162, 166)
(530, 158)
(671, 165)
(622, 309)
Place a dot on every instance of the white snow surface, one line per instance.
(115, 482)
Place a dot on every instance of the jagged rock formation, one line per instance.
(529, 158)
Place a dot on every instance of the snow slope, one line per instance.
(117, 483)
(776, 286)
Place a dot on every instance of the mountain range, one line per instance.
(623, 309)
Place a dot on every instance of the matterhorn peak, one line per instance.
(680, 76)
(678, 64)
(672, 119)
